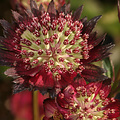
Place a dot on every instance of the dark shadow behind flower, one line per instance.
(83, 101)
(47, 49)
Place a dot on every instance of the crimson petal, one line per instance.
(93, 73)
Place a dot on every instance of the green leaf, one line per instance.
(108, 66)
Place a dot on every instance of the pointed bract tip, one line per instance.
(51, 9)
(77, 13)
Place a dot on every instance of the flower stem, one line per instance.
(35, 105)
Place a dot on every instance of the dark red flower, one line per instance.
(81, 101)
(49, 48)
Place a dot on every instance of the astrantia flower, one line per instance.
(82, 101)
(48, 49)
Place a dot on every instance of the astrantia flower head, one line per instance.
(49, 48)
(82, 101)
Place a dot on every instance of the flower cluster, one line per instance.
(53, 51)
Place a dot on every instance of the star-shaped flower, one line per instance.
(49, 48)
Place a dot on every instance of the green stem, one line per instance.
(35, 105)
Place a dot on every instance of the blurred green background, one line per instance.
(109, 24)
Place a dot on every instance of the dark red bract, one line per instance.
(49, 48)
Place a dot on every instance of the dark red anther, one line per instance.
(26, 60)
(48, 52)
(98, 108)
(71, 70)
(85, 48)
(18, 31)
(77, 60)
(63, 70)
(22, 27)
(35, 61)
(51, 39)
(61, 14)
(69, 64)
(27, 67)
(86, 100)
(77, 36)
(82, 43)
(35, 19)
(76, 50)
(96, 101)
(69, 24)
(52, 62)
(28, 43)
(80, 25)
(31, 54)
(55, 36)
(81, 67)
(92, 106)
(40, 52)
(66, 41)
(58, 77)
(60, 28)
(18, 47)
(36, 33)
(61, 59)
(76, 23)
(23, 40)
(45, 64)
(68, 17)
(90, 116)
(85, 54)
(16, 40)
(18, 56)
(53, 26)
(67, 32)
(73, 28)
(23, 52)
(68, 51)
(85, 36)
(44, 31)
(38, 42)
(90, 47)
(72, 42)
(53, 70)
(31, 28)
(59, 51)
(46, 41)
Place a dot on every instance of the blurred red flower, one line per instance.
(21, 105)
